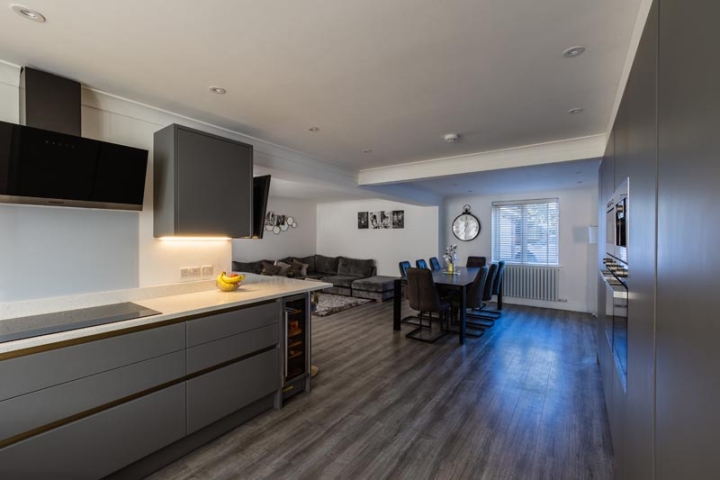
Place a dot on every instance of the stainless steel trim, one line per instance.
(285, 353)
(58, 202)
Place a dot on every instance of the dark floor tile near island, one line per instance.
(522, 402)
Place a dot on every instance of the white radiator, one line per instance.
(533, 282)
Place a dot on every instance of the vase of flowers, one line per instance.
(450, 257)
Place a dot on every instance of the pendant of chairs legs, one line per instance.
(428, 299)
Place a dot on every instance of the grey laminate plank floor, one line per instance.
(522, 402)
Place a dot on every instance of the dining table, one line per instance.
(459, 280)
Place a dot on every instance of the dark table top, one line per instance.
(466, 277)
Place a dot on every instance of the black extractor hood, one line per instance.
(47, 162)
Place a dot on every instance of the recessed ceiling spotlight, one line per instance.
(580, 181)
(314, 129)
(455, 184)
(575, 111)
(578, 172)
(573, 52)
(366, 151)
(469, 191)
(28, 13)
(218, 90)
(452, 137)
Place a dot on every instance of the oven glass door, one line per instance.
(621, 223)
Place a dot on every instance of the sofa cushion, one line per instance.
(309, 261)
(325, 264)
(249, 267)
(299, 269)
(286, 260)
(340, 280)
(270, 269)
(354, 267)
(315, 275)
(284, 268)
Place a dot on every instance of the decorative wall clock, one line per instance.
(466, 226)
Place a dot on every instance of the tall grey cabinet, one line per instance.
(666, 423)
(203, 184)
(688, 303)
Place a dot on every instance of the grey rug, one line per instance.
(329, 304)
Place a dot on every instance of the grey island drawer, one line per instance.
(229, 348)
(217, 394)
(221, 325)
(27, 374)
(98, 445)
(27, 412)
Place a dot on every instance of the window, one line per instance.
(526, 231)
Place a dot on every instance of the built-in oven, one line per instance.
(617, 224)
(616, 316)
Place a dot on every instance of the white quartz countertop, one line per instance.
(254, 289)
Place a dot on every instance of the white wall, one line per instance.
(300, 241)
(337, 233)
(578, 210)
(81, 250)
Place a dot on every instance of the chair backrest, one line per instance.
(498, 277)
(434, 264)
(490, 282)
(476, 262)
(421, 292)
(403, 268)
(477, 289)
(421, 264)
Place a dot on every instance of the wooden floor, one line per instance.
(522, 402)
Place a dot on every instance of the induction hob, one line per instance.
(38, 325)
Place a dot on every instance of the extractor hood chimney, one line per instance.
(49, 102)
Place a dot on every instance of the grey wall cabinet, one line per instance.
(688, 260)
(203, 184)
(665, 140)
(632, 152)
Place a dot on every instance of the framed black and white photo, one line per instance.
(386, 219)
(375, 220)
(363, 220)
(398, 219)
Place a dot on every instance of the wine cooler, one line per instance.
(297, 352)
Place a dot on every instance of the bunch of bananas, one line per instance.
(229, 283)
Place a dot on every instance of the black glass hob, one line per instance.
(38, 325)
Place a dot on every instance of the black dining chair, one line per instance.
(475, 318)
(435, 264)
(403, 268)
(421, 264)
(474, 299)
(423, 296)
(474, 262)
(496, 291)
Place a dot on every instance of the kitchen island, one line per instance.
(127, 397)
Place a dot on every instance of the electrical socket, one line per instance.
(195, 272)
(185, 273)
(207, 270)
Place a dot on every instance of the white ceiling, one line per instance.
(392, 76)
(537, 178)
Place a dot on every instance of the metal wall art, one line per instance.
(278, 223)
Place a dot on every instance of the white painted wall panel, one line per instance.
(337, 234)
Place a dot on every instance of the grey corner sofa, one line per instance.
(341, 272)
